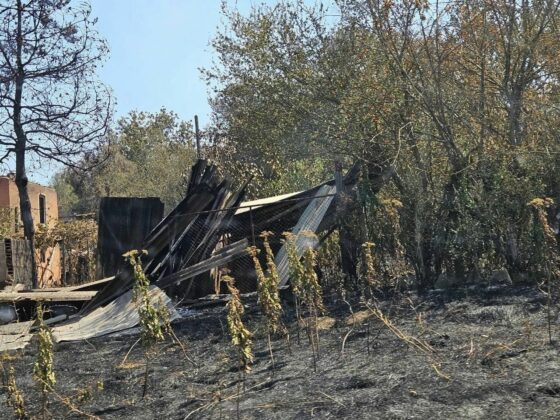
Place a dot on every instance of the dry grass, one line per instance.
(9, 357)
(324, 323)
(414, 342)
(131, 365)
(357, 318)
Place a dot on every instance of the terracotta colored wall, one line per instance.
(49, 269)
(51, 201)
(4, 192)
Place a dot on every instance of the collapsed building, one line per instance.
(188, 250)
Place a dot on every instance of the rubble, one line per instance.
(187, 251)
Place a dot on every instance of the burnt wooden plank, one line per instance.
(22, 262)
(5, 280)
(58, 296)
(124, 223)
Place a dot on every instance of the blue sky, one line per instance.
(157, 47)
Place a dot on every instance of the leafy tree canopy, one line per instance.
(461, 97)
(148, 155)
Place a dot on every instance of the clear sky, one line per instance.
(157, 47)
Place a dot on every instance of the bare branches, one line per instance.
(49, 52)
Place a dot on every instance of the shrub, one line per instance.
(267, 290)
(241, 337)
(153, 319)
(14, 395)
(43, 369)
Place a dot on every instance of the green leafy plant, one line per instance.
(153, 319)
(368, 272)
(305, 285)
(43, 369)
(330, 264)
(296, 273)
(241, 337)
(312, 291)
(313, 298)
(268, 295)
(8, 222)
(548, 258)
(306, 288)
(86, 393)
(14, 396)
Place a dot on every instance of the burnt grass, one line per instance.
(468, 353)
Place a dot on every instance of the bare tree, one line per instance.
(51, 104)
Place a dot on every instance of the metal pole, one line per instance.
(197, 136)
(338, 177)
(252, 224)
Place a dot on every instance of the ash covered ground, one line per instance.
(471, 353)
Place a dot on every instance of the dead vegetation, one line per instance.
(241, 337)
(483, 353)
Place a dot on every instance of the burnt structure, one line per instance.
(210, 230)
(124, 224)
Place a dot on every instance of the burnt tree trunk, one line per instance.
(348, 254)
(20, 150)
(347, 240)
(25, 209)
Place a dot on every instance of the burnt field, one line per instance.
(471, 353)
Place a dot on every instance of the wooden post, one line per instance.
(252, 225)
(88, 265)
(63, 250)
(346, 237)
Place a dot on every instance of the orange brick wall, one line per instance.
(49, 270)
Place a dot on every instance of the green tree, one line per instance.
(149, 155)
(286, 85)
(459, 97)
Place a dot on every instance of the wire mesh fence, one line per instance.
(249, 221)
(78, 266)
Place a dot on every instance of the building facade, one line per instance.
(44, 209)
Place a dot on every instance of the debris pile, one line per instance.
(207, 234)
(211, 228)
(187, 236)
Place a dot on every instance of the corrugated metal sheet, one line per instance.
(309, 221)
(124, 223)
(255, 204)
(15, 336)
(121, 314)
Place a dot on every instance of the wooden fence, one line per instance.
(15, 263)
